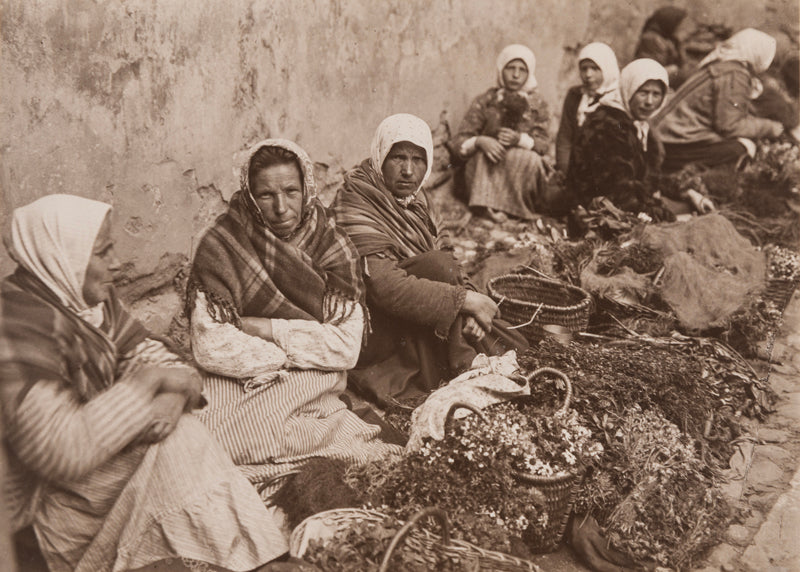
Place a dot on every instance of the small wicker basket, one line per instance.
(528, 302)
(326, 524)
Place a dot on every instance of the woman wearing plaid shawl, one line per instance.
(103, 461)
(275, 298)
(428, 323)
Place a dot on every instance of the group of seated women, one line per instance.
(116, 458)
(619, 131)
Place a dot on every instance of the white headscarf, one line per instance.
(749, 45)
(52, 238)
(398, 128)
(517, 52)
(604, 58)
(633, 76)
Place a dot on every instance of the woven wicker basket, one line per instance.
(558, 491)
(528, 302)
(324, 525)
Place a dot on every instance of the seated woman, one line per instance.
(502, 139)
(275, 298)
(616, 154)
(661, 40)
(103, 462)
(427, 323)
(599, 74)
(709, 120)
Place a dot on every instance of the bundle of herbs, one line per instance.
(471, 474)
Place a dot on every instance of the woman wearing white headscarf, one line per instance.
(709, 120)
(616, 154)
(502, 139)
(104, 464)
(599, 73)
(427, 323)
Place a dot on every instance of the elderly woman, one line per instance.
(502, 139)
(275, 298)
(103, 462)
(599, 73)
(427, 323)
(661, 40)
(709, 120)
(616, 154)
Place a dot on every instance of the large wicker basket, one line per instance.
(324, 525)
(529, 302)
(558, 491)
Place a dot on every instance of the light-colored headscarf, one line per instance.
(749, 46)
(634, 76)
(306, 169)
(517, 52)
(398, 128)
(604, 58)
(52, 238)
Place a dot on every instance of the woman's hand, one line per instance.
(480, 307)
(508, 137)
(491, 147)
(258, 327)
(701, 203)
(472, 329)
(186, 381)
(167, 410)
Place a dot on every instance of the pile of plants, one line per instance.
(666, 412)
(471, 474)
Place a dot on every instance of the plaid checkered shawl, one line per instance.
(246, 270)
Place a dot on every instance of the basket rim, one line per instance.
(586, 298)
(350, 513)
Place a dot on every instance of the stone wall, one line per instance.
(146, 103)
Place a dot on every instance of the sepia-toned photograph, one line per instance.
(399, 285)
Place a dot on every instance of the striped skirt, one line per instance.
(510, 186)
(181, 498)
(270, 430)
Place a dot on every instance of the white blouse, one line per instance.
(224, 349)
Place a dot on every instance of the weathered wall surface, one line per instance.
(145, 103)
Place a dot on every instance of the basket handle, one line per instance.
(437, 513)
(462, 405)
(568, 397)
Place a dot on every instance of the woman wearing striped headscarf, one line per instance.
(428, 323)
(502, 139)
(104, 462)
(276, 299)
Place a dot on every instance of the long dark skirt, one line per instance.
(678, 156)
(404, 360)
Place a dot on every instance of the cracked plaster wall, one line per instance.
(145, 103)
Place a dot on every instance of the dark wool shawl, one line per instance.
(246, 270)
(41, 339)
(378, 224)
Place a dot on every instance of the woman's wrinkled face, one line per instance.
(99, 277)
(647, 99)
(278, 192)
(515, 75)
(591, 76)
(404, 168)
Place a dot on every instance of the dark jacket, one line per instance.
(568, 127)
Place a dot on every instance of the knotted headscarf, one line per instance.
(396, 129)
(517, 52)
(633, 77)
(750, 46)
(604, 58)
